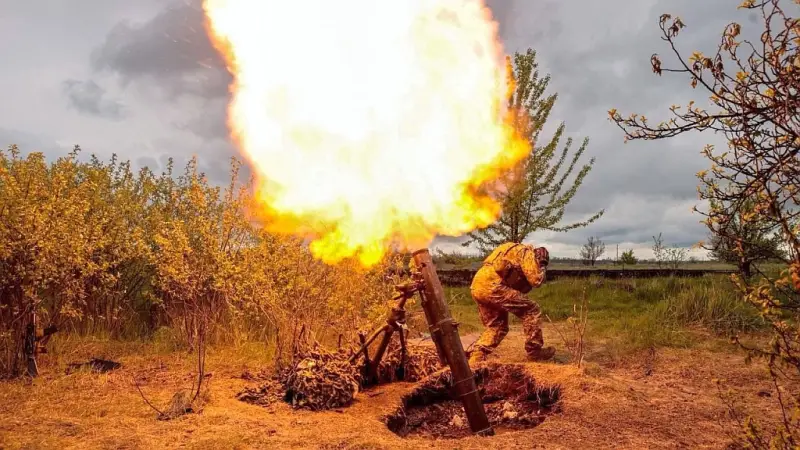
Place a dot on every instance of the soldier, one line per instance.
(499, 288)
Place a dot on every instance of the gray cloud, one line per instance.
(210, 122)
(171, 50)
(213, 157)
(87, 97)
(30, 142)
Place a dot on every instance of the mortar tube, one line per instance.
(444, 327)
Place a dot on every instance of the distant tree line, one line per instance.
(765, 247)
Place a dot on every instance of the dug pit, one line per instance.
(513, 400)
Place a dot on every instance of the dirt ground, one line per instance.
(666, 399)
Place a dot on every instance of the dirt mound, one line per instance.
(317, 380)
(512, 399)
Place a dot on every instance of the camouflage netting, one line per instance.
(421, 361)
(266, 394)
(512, 400)
(322, 380)
(317, 380)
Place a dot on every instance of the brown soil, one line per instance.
(513, 400)
(664, 400)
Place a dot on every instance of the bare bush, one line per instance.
(674, 257)
(592, 250)
(578, 320)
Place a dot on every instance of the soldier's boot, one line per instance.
(542, 354)
(476, 356)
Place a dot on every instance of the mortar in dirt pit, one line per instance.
(513, 400)
(444, 334)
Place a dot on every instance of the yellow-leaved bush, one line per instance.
(96, 247)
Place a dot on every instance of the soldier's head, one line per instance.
(542, 256)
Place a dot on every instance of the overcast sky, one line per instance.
(141, 79)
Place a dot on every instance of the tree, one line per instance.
(674, 257)
(535, 193)
(659, 252)
(55, 246)
(744, 242)
(755, 104)
(195, 253)
(592, 250)
(627, 258)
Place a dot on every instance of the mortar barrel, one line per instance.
(441, 324)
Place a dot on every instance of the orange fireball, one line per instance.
(368, 123)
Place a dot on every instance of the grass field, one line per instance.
(634, 314)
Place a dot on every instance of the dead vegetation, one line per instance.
(315, 379)
(575, 342)
(320, 380)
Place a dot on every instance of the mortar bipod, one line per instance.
(396, 322)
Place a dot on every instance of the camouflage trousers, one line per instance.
(495, 301)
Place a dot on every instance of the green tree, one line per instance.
(627, 258)
(745, 241)
(120, 250)
(535, 193)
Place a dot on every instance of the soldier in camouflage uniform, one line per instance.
(499, 288)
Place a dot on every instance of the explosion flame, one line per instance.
(368, 123)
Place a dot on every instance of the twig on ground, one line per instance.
(160, 413)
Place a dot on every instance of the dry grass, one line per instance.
(666, 399)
